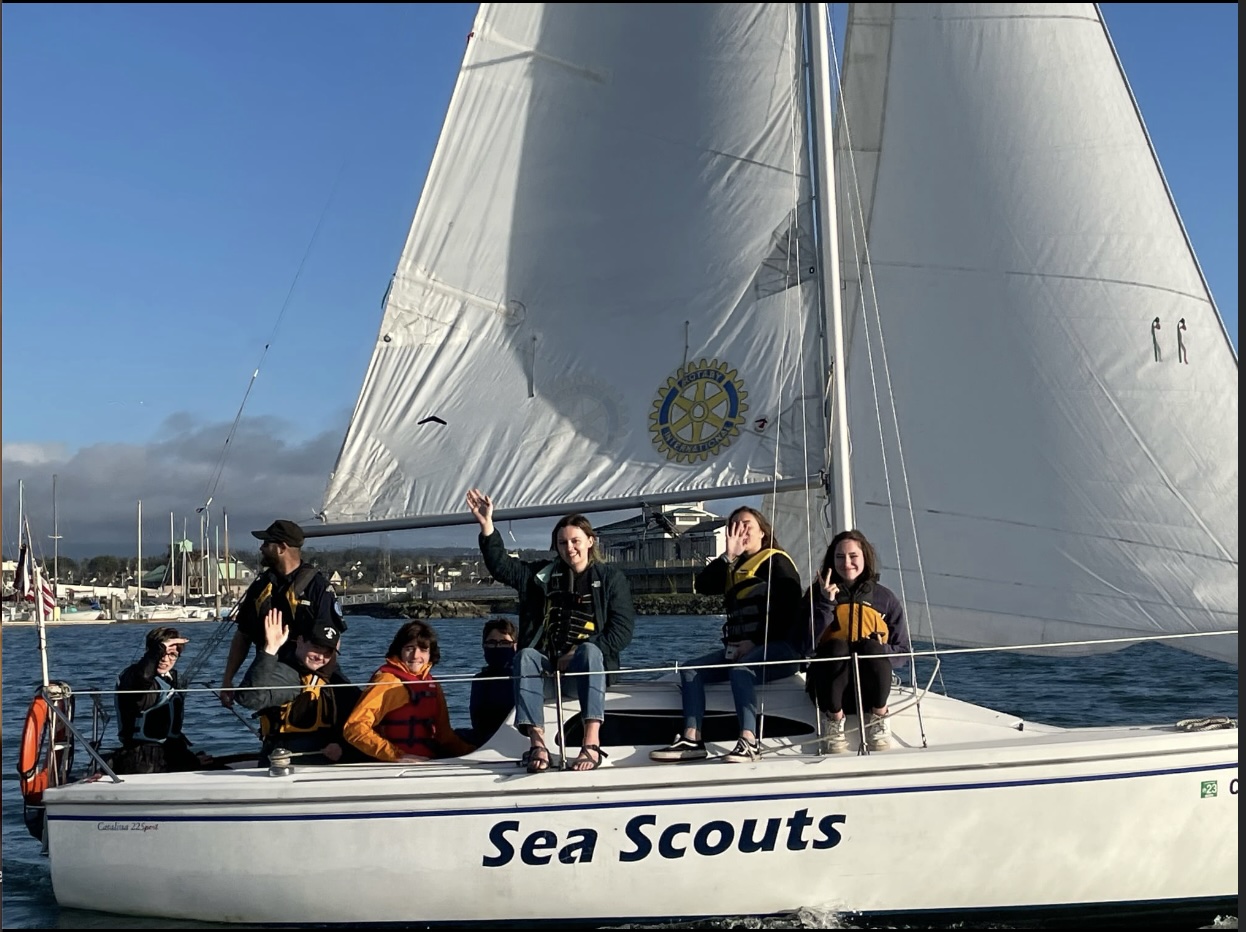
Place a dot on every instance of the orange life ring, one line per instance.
(34, 755)
(31, 763)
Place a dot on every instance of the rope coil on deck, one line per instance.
(1210, 723)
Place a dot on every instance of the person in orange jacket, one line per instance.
(402, 715)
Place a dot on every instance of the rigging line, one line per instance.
(214, 480)
(857, 221)
(225, 626)
(865, 275)
(795, 33)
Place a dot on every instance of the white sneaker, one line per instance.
(878, 732)
(835, 737)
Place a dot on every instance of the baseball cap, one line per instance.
(283, 532)
(325, 636)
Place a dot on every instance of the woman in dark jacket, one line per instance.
(854, 615)
(575, 614)
(761, 594)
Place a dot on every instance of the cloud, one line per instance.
(32, 455)
(261, 473)
(264, 471)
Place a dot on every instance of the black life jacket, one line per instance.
(569, 616)
(745, 600)
(286, 595)
(159, 722)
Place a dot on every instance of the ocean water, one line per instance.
(1146, 683)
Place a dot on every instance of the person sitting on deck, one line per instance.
(854, 615)
(575, 616)
(493, 694)
(150, 710)
(301, 696)
(761, 593)
(402, 715)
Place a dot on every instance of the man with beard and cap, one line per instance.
(300, 694)
(288, 584)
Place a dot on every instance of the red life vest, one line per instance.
(412, 727)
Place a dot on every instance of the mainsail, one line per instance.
(608, 288)
(609, 294)
(1025, 311)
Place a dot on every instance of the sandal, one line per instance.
(536, 759)
(586, 757)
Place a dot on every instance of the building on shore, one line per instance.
(661, 549)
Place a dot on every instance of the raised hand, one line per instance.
(481, 507)
(275, 631)
(737, 539)
(829, 589)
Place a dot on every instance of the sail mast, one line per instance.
(817, 25)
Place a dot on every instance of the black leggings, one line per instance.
(831, 684)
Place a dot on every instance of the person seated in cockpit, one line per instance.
(150, 708)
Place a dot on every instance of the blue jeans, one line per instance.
(532, 688)
(743, 681)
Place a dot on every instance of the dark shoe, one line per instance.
(744, 752)
(536, 759)
(682, 749)
(590, 754)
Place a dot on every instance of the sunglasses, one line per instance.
(494, 642)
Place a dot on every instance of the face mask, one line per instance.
(499, 656)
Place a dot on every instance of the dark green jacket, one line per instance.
(612, 598)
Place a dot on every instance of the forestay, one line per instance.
(607, 288)
(1073, 470)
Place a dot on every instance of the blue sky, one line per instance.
(194, 192)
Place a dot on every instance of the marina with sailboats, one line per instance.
(914, 298)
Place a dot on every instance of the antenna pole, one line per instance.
(56, 539)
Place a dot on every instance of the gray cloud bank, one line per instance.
(264, 473)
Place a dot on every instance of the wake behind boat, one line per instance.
(629, 282)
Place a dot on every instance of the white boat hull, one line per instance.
(987, 818)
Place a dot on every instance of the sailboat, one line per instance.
(630, 281)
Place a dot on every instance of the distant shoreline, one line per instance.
(677, 604)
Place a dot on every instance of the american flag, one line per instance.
(25, 583)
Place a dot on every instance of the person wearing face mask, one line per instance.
(301, 696)
(575, 616)
(402, 715)
(150, 710)
(761, 592)
(493, 693)
(854, 615)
